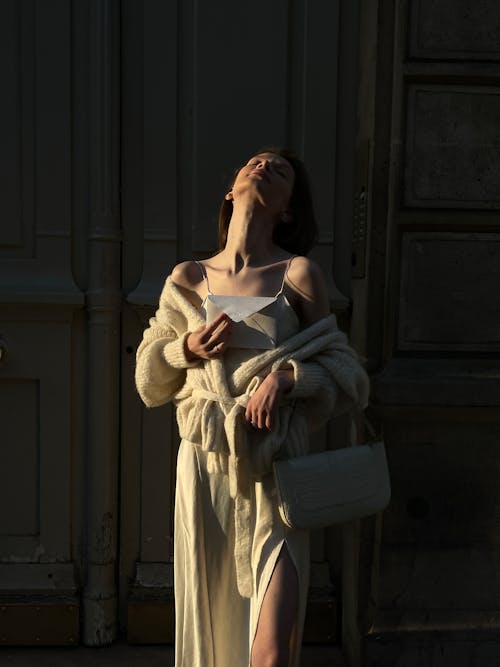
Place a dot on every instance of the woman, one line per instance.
(248, 388)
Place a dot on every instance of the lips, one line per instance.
(261, 172)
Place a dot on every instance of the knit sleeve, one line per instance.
(161, 361)
(316, 390)
(328, 384)
(310, 378)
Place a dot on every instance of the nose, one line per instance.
(263, 164)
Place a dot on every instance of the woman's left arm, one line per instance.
(307, 281)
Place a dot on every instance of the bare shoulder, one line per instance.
(306, 279)
(187, 274)
(306, 275)
(189, 279)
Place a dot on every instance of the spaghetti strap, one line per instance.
(285, 274)
(204, 274)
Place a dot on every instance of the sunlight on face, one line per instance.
(276, 163)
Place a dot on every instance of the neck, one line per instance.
(250, 237)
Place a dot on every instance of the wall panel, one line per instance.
(37, 301)
(41, 458)
(37, 160)
(20, 468)
(10, 164)
(16, 127)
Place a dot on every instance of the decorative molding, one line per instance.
(103, 308)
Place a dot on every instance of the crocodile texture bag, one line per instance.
(320, 490)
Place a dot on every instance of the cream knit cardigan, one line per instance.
(328, 379)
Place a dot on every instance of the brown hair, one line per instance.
(299, 234)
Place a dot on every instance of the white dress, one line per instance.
(215, 624)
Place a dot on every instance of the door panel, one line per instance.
(444, 277)
(451, 147)
(454, 30)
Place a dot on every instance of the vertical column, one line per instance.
(103, 308)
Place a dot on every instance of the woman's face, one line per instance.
(270, 177)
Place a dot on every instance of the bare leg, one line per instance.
(278, 616)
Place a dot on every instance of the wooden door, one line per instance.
(427, 314)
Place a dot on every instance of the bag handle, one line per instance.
(358, 412)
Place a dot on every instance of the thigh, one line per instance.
(278, 614)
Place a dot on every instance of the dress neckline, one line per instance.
(233, 296)
(236, 296)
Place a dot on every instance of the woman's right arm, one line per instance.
(161, 361)
(168, 348)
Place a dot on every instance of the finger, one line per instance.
(252, 417)
(211, 334)
(250, 424)
(225, 342)
(221, 333)
(224, 338)
(216, 344)
(221, 317)
(221, 340)
(216, 337)
(223, 327)
(218, 349)
(269, 422)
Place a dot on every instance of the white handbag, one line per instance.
(320, 490)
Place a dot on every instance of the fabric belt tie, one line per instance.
(239, 487)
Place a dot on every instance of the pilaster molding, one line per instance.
(103, 305)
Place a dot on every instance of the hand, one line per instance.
(210, 340)
(263, 404)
